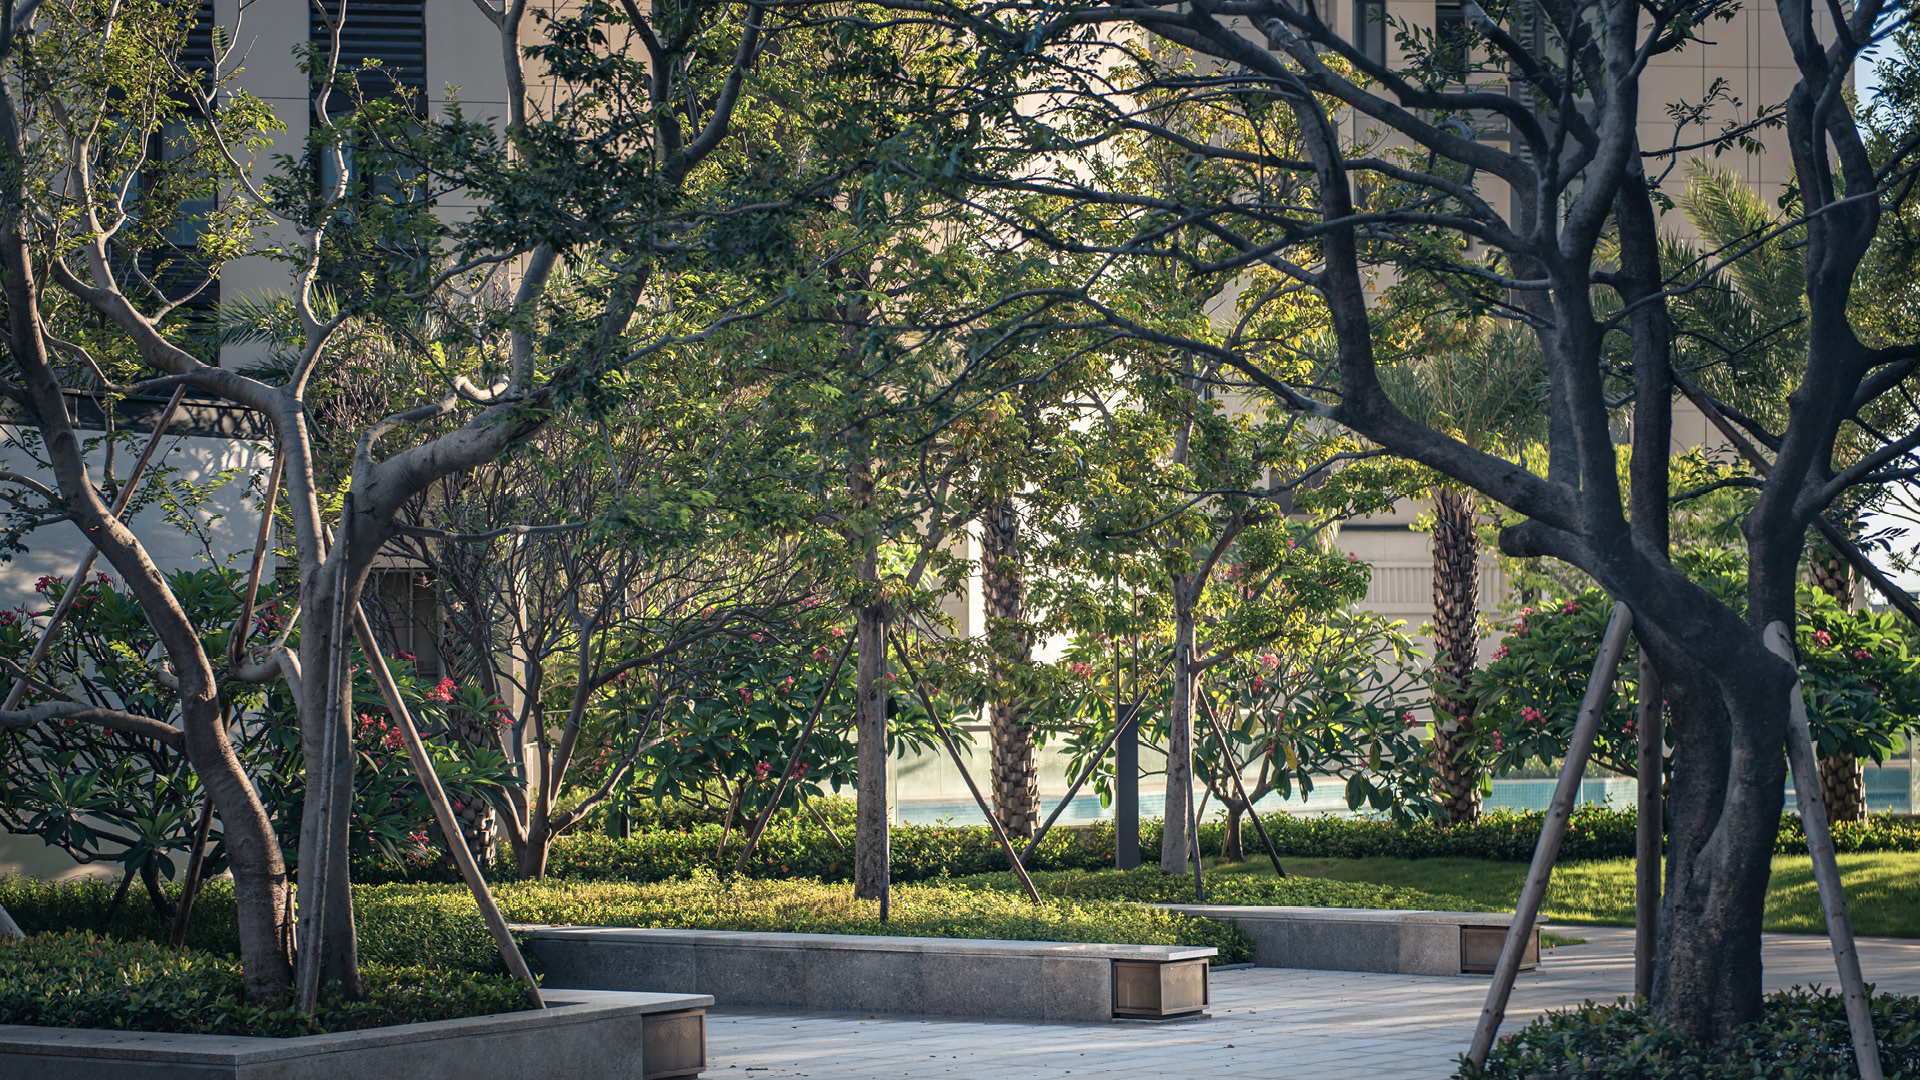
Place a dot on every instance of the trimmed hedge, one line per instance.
(1146, 884)
(83, 980)
(1800, 1036)
(438, 926)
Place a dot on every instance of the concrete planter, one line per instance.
(582, 1035)
(1042, 980)
(1364, 939)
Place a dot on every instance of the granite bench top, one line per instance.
(755, 939)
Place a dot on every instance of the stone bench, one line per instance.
(580, 1035)
(1045, 980)
(1361, 939)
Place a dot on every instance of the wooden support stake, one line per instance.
(1826, 869)
(243, 628)
(1233, 768)
(793, 762)
(953, 751)
(196, 871)
(1193, 834)
(1133, 712)
(1649, 825)
(443, 810)
(1552, 830)
(120, 504)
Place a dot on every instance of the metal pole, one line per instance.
(1233, 768)
(1826, 869)
(1552, 830)
(443, 810)
(793, 760)
(1127, 724)
(953, 751)
(120, 504)
(1649, 826)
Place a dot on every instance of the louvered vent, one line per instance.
(394, 32)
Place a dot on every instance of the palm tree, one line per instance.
(1016, 773)
(1487, 391)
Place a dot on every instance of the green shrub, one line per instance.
(1801, 1035)
(48, 907)
(1146, 884)
(83, 980)
(437, 925)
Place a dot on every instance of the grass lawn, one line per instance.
(1883, 889)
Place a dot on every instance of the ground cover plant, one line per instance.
(79, 979)
(1799, 1034)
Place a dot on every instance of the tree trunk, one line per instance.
(1016, 771)
(1231, 849)
(872, 854)
(1728, 710)
(1456, 603)
(1174, 849)
(1843, 780)
(325, 818)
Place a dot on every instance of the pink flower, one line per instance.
(1570, 606)
(1498, 743)
(403, 654)
(1823, 637)
(1080, 670)
(757, 636)
(1407, 719)
(746, 696)
(1501, 652)
(1862, 654)
(1259, 684)
(1532, 715)
(1269, 661)
(1351, 557)
(442, 690)
(761, 769)
(838, 632)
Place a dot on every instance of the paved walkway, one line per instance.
(1267, 1024)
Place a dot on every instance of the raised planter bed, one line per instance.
(1363, 939)
(1046, 980)
(581, 1035)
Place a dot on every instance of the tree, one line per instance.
(602, 191)
(1575, 167)
(1486, 390)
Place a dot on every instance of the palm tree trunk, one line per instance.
(1456, 602)
(1843, 780)
(1016, 772)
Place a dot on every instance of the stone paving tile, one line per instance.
(1266, 1024)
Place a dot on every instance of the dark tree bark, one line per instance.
(1016, 773)
(1456, 640)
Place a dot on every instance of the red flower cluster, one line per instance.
(442, 691)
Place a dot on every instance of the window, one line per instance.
(392, 32)
(1452, 39)
(1370, 29)
(172, 266)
